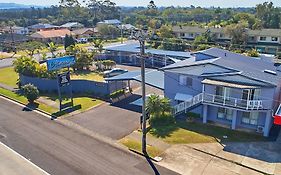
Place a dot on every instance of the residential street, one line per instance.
(60, 150)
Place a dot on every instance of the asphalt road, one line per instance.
(60, 150)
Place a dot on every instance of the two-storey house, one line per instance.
(226, 88)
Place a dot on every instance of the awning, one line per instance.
(153, 78)
(183, 97)
(226, 84)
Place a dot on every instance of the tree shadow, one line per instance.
(31, 106)
(162, 131)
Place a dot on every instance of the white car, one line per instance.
(82, 40)
(114, 72)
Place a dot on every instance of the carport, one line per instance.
(153, 78)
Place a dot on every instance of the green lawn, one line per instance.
(85, 101)
(87, 75)
(8, 76)
(193, 132)
(23, 100)
(136, 146)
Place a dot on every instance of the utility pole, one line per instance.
(141, 36)
(142, 52)
(121, 29)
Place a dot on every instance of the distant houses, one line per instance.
(72, 25)
(42, 26)
(56, 36)
(264, 40)
(114, 22)
(16, 30)
(83, 33)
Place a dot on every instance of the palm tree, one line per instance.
(53, 48)
(157, 106)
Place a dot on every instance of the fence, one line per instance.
(78, 86)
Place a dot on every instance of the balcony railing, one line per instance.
(222, 101)
(236, 102)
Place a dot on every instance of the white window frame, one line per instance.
(225, 114)
(262, 38)
(183, 80)
(251, 119)
(274, 39)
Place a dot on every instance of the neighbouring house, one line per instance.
(42, 27)
(226, 88)
(72, 25)
(83, 33)
(264, 40)
(127, 27)
(56, 36)
(114, 22)
(127, 53)
(16, 30)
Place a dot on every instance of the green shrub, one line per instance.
(29, 67)
(253, 53)
(117, 93)
(30, 92)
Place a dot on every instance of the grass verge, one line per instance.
(136, 146)
(193, 132)
(9, 77)
(23, 100)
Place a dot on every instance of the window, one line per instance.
(185, 81)
(263, 38)
(252, 38)
(182, 34)
(224, 113)
(223, 92)
(274, 38)
(250, 118)
(191, 35)
(221, 35)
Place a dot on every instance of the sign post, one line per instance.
(63, 79)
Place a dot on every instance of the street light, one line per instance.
(141, 36)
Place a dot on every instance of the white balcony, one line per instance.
(222, 101)
(236, 102)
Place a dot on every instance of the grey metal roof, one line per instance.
(202, 70)
(42, 26)
(72, 24)
(240, 79)
(134, 48)
(153, 78)
(253, 68)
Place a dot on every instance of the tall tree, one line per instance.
(237, 32)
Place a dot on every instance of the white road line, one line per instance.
(43, 171)
(19, 104)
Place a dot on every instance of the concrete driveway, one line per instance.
(116, 120)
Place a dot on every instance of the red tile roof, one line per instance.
(51, 33)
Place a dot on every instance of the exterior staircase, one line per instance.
(188, 105)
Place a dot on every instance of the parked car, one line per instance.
(114, 72)
(82, 40)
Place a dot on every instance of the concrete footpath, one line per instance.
(11, 163)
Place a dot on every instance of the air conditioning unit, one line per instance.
(260, 129)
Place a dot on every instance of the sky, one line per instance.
(202, 3)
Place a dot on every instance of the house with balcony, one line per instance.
(225, 88)
(264, 40)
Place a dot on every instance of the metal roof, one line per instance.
(135, 48)
(253, 68)
(153, 78)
